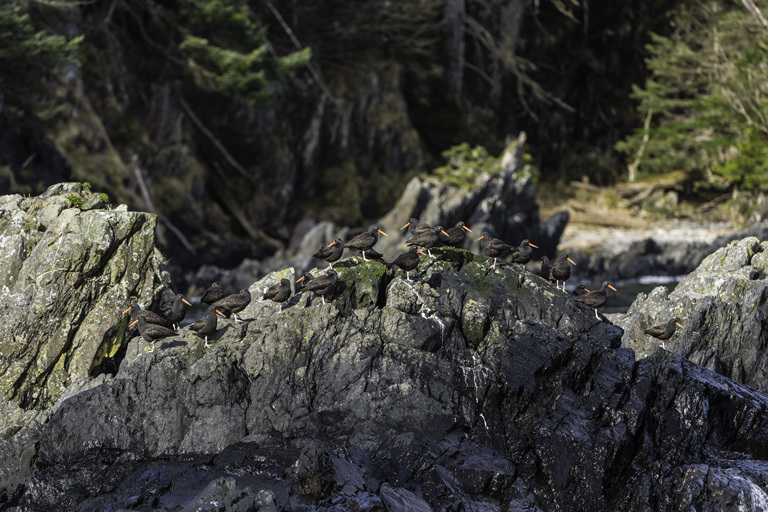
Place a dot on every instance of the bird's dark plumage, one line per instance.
(323, 285)
(213, 294)
(427, 239)
(151, 317)
(455, 236)
(596, 298)
(546, 268)
(331, 252)
(416, 228)
(176, 312)
(206, 324)
(408, 260)
(522, 254)
(303, 280)
(152, 332)
(279, 292)
(235, 302)
(561, 270)
(366, 240)
(493, 247)
(665, 331)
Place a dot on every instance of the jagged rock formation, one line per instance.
(65, 272)
(722, 307)
(469, 388)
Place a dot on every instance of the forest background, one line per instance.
(233, 120)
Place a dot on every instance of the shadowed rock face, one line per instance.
(474, 388)
(722, 307)
(65, 273)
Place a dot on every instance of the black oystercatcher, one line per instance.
(597, 298)
(427, 239)
(366, 240)
(580, 290)
(417, 228)
(176, 312)
(664, 332)
(493, 247)
(546, 268)
(323, 285)
(235, 302)
(408, 260)
(213, 294)
(279, 292)
(206, 324)
(455, 236)
(522, 254)
(151, 332)
(152, 318)
(303, 280)
(331, 252)
(560, 270)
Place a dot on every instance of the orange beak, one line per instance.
(133, 323)
(586, 289)
(185, 301)
(446, 234)
(572, 262)
(536, 246)
(480, 238)
(420, 252)
(612, 288)
(300, 279)
(383, 233)
(222, 315)
(331, 244)
(465, 227)
(677, 324)
(127, 310)
(409, 223)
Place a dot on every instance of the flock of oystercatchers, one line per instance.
(153, 326)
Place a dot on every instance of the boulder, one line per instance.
(467, 388)
(66, 276)
(721, 305)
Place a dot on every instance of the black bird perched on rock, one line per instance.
(546, 268)
(580, 290)
(331, 252)
(427, 239)
(235, 302)
(206, 324)
(306, 278)
(366, 240)
(493, 247)
(455, 236)
(408, 260)
(151, 332)
(664, 332)
(214, 293)
(151, 317)
(176, 312)
(323, 285)
(560, 270)
(522, 254)
(279, 292)
(417, 228)
(597, 298)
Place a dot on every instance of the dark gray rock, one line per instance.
(469, 388)
(722, 308)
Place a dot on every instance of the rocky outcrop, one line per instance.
(66, 273)
(467, 388)
(722, 308)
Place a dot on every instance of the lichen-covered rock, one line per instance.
(721, 306)
(66, 275)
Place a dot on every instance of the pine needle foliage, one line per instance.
(30, 60)
(706, 97)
